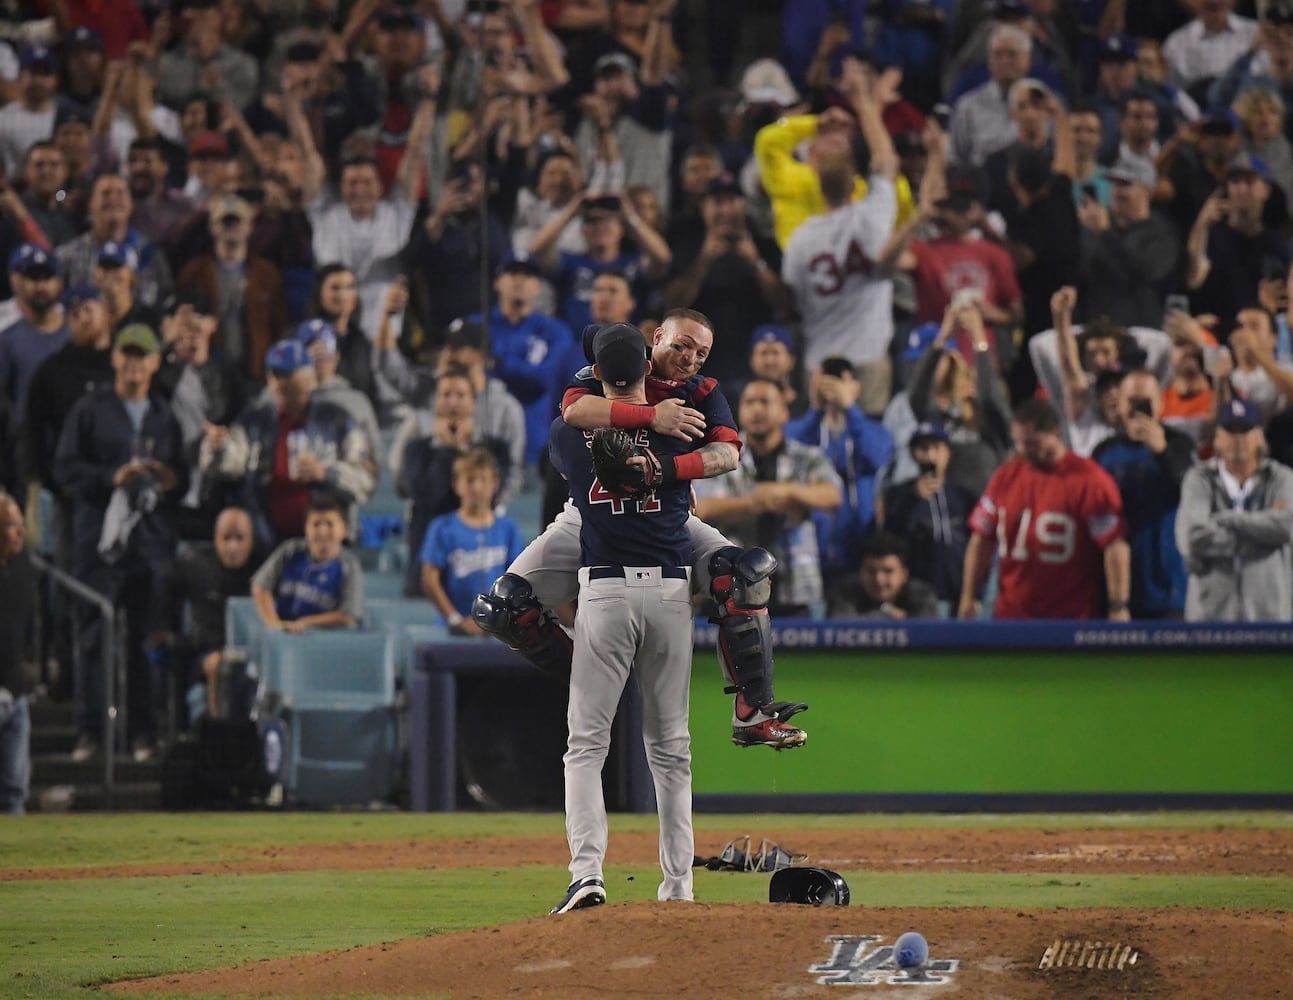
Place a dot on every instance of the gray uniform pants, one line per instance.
(550, 563)
(640, 621)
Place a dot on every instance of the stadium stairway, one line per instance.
(59, 784)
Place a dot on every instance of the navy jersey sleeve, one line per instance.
(555, 453)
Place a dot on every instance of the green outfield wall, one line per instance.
(1009, 722)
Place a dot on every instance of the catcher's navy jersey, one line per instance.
(618, 532)
(699, 392)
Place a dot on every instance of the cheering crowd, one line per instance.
(998, 291)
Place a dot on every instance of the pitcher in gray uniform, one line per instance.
(634, 614)
(683, 407)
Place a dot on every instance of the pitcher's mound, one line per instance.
(709, 951)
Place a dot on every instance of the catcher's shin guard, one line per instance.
(740, 583)
(511, 612)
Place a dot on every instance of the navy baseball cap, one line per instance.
(84, 37)
(287, 357)
(114, 254)
(69, 112)
(399, 18)
(78, 294)
(723, 184)
(38, 57)
(621, 354)
(1118, 48)
(1222, 121)
(768, 333)
(1239, 416)
(32, 261)
(918, 341)
(520, 264)
(318, 331)
(928, 431)
(468, 333)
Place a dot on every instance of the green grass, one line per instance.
(60, 937)
(47, 841)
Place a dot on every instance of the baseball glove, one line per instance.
(612, 449)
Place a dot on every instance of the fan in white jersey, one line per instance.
(844, 297)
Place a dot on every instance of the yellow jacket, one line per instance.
(793, 186)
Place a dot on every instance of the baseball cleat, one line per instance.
(586, 892)
(768, 732)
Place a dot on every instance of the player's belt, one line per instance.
(617, 572)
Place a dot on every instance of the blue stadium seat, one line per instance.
(337, 691)
(381, 585)
(241, 622)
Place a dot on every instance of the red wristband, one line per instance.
(631, 416)
(690, 465)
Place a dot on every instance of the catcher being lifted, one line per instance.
(681, 403)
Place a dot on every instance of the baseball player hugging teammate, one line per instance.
(635, 613)
(681, 407)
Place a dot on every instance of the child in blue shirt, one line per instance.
(312, 582)
(466, 550)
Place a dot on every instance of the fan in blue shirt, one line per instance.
(466, 549)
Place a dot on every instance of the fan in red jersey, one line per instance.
(1058, 525)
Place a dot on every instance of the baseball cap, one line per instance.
(207, 143)
(287, 357)
(1238, 416)
(318, 331)
(31, 261)
(37, 57)
(918, 341)
(723, 184)
(398, 18)
(69, 112)
(1222, 121)
(1246, 163)
(614, 63)
(78, 294)
(83, 37)
(928, 431)
(605, 203)
(765, 81)
(1118, 48)
(114, 254)
(965, 186)
(1133, 170)
(520, 264)
(621, 354)
(136, 337)
(768, 333)
(467, 333)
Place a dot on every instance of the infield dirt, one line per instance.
(649, 951)
(716, 951)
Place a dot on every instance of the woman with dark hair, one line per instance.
(336, 299)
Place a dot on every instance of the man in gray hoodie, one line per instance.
(1235, 527)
